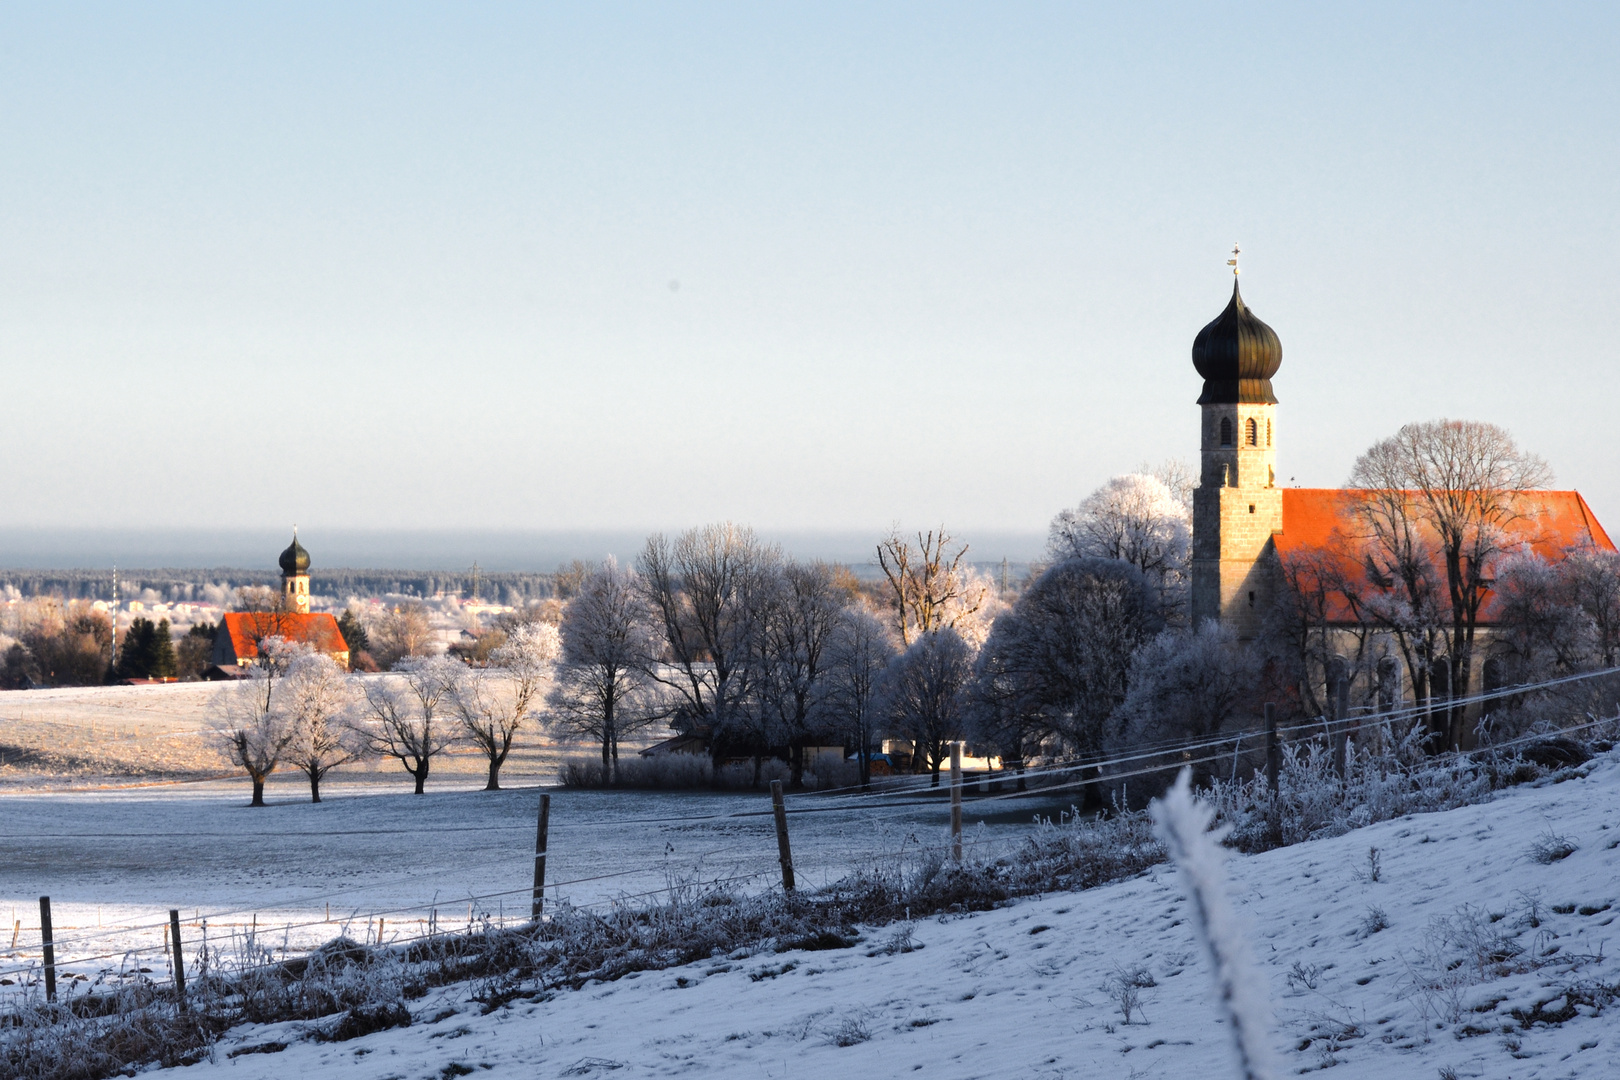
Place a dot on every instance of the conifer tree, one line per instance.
(136, 656)
(163, 659)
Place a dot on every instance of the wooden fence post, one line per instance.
(1273, 749)
(1334, 725)
(179, 958)
(956, 802)
(540, 857)
(1342, 707)
(782, 850)
(49, 941)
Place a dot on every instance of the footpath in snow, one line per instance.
(1473, 951)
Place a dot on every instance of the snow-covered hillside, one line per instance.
(1473, 951)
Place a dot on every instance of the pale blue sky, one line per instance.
(409, 266)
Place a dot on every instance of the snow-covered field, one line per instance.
(1477, 928)
(115, 862)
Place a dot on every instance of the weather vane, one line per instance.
(1232, 262)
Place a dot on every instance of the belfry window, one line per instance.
(1226, 431)
(1251, 432)
(1268, 432)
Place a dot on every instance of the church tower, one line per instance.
(295, 577)
(1237, 505)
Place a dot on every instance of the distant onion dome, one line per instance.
(1237, 355)
(295, 560)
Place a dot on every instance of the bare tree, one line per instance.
(801, 608)
(254, 729)
(706, 591)
(602, 691)
(403, 631)
(316, 698)
(861, 647)
(1458, 479)
(1323, 624)
(1137, 519)
(494, 702)
(929, 586)
(925, 691)
(401, 715)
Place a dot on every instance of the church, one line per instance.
(236, 645)
(1246, 528)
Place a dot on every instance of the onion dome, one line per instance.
(1237, 355)
(295, 560)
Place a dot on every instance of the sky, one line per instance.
(522, 268)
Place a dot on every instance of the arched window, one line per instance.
(1226, 431)
(1251, 432)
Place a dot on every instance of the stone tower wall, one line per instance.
(1236, 508)
(295, 587)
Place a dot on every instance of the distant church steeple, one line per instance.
(295, 576)
(1237, 505)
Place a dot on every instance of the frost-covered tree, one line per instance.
(1057, 665)
(861, 647)
(1542, 631)
(1594, 585)
(494, 702)
(401, 715)
(253, 728)
(1137, 519)
(1186, 684)
(602, 691)
(316, 697)
(925, 694)
(707, 591)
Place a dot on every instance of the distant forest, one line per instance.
(175, 585)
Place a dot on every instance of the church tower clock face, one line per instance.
(1237, 505)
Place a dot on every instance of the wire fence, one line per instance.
(105, 957)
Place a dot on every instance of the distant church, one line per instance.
(236, 645)
(1243, 523)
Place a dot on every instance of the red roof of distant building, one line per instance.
(1325, 521)
(245, 629)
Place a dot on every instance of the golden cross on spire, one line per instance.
(1232, 262)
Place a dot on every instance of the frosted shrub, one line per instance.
(662, 771)
(1386, 778)
(1080, 853)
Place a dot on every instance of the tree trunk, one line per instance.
(607, 764)
(796, 765)
(314, 787)
(258, 791)
(420, 773)
(494, 776)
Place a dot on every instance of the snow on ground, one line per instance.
(1018, 992)
(122, 859)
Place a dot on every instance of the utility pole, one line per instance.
(112, 654)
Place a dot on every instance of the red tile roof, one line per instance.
(247, 628)
(1324, 521)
